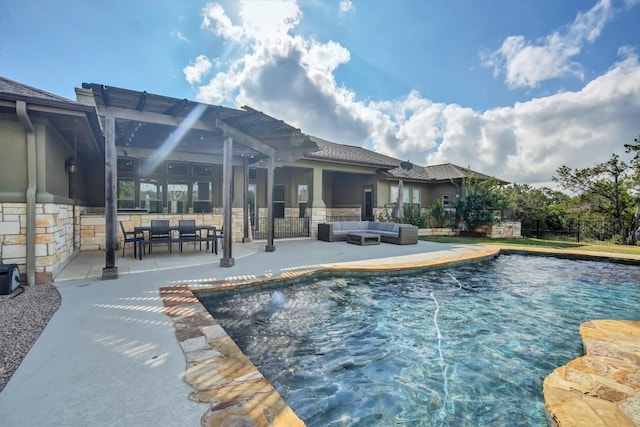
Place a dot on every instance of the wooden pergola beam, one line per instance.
(245, 139)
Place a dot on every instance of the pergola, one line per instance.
(157, 126)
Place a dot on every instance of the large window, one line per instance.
(410, 197)
(278, 201)
(201, 195)
(172, 186)
(151, 195)
(303, 199)
(126, 193)
(177, 197)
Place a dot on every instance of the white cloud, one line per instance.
(179, 35)
(194, 72)
(292, 78)
(526, 64)
(346, 6)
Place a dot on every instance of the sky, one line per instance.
(512, 89)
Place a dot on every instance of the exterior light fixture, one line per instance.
(70, 165)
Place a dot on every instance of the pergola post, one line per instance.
(245, 203)
(270, 178)
(227, 211)
(110, 271)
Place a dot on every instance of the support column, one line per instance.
(227, 211)
(318, 211)
(110, 271)
(245, 202)
(271, 232)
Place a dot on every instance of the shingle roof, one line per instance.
(11, 87)
(444, 172)
(350, 154)
(332, 151)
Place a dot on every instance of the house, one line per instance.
(73, 170)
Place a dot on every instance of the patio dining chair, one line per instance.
(160, 232)
(214, 235)
(131, 237)
(187, 233)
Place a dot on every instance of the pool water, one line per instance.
(469, 345)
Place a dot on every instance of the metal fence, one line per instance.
(575, 230)
(338, 218)
(283, 228)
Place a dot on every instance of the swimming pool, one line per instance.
(469, 345)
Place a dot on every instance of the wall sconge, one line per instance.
(70, 165)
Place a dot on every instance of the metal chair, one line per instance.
(187, 233)
(131, 237)
(160, 232)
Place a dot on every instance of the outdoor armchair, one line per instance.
(187, 233)
(160, 232)
(130, 237)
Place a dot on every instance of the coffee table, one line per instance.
(363, 239)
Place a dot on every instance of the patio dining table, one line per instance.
(209, 236)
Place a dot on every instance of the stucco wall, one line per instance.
(13, 162)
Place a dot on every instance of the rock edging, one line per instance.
(601, 388)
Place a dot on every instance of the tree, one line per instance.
(539, 208)
(603, 187)
(479, 202)
(635, 188)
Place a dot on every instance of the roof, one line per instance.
(443, 172)
(350, 154)
(61, 112)
(390, 166)
(10, 89)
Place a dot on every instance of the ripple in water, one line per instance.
(466, 346)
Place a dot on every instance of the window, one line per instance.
(253, 206)
(202, 170)
(278, 201)
(149, 167)
(446, 200)
(126, 193)
(126, 165)
(415, 200)
(177, 197)
(201, 195)
(303, 199)
(253, 173)
(151, 195)
(174, 168)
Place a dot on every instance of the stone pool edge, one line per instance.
(601, 388)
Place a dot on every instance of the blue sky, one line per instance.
(514, 89)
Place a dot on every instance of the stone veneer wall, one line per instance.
(54, 236)
(92, 226)
(503, 230)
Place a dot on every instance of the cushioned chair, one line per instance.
(160, 233)
(187, 232)
(131, 237)
(214, 235)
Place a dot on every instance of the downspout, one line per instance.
(21, 110)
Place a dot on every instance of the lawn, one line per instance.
(537, 243)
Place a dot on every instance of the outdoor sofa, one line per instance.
(399, 234)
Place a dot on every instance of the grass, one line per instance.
(537, 243)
